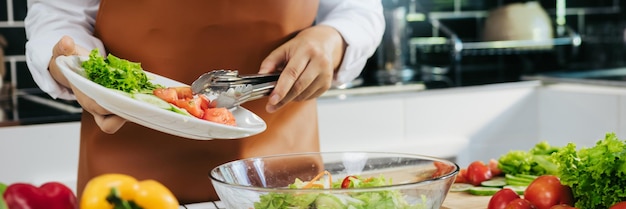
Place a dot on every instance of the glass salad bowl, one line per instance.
(335, 180)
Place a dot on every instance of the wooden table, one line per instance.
(463, 200)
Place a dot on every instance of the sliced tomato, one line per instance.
(462, 176)
(194, 106)
(346, 182)
(168, 94)
(441, 169)
(220, 115)
(205, 103)
(493, 166)
(183, 92)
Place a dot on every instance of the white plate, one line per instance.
(150, 116)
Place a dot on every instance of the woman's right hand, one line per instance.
(107, 121)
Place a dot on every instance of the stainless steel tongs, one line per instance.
(229, 89)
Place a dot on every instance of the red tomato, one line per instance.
(520, 203)
(493, 166)
(547, 191)
(206, 103)
(562, 206)
(502, 198)
(619, 205)
(462, 176)
(346, 182)
(167, 94)
(194, 106)
(220, 115)
(478, 172)
(568, 196)
(442, 168)
(183, 92)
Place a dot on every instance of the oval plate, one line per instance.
(150, 116)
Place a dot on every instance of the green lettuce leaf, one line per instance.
(596, 175)
(358, 200)
(536, 161)
(116, 73)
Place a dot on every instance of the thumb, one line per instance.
(65, 46)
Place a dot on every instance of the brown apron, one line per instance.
(181, 40)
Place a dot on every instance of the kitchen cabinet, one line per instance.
(473, 123)
(468, 123)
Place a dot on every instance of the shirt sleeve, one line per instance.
(45, 23)
(361, 24)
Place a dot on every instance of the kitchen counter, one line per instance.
(454, 200)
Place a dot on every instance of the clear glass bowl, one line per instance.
(414, 181)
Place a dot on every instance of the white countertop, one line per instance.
(204, 205)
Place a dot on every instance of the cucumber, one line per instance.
(518, 181)
(518, 189)
(483, 191)
(154, 100)
(514, 182)
(527, 176)
(180, 110)
(328, 201)
(494, 182)
(460, 187)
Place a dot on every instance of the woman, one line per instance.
(314, 43)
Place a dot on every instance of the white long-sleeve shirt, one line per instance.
(360, 22)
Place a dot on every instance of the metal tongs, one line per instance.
(229, 89)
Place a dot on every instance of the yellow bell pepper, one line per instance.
(120, 191)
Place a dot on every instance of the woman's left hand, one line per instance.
(310, 60)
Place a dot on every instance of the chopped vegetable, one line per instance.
(536, 161)
(483, 191)
(198, 106)
(494, 182)
(460, 187)
(373, 199)
(116, 73)
(596, 175)
(519, 180)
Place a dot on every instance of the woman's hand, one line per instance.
(310, 60)
(108, 122)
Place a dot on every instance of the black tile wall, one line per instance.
(16, 38)
(19, 9)
(3, 10)
(12, 14)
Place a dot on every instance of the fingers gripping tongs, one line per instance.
(229, 89)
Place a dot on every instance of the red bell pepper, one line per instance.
(51, 195)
